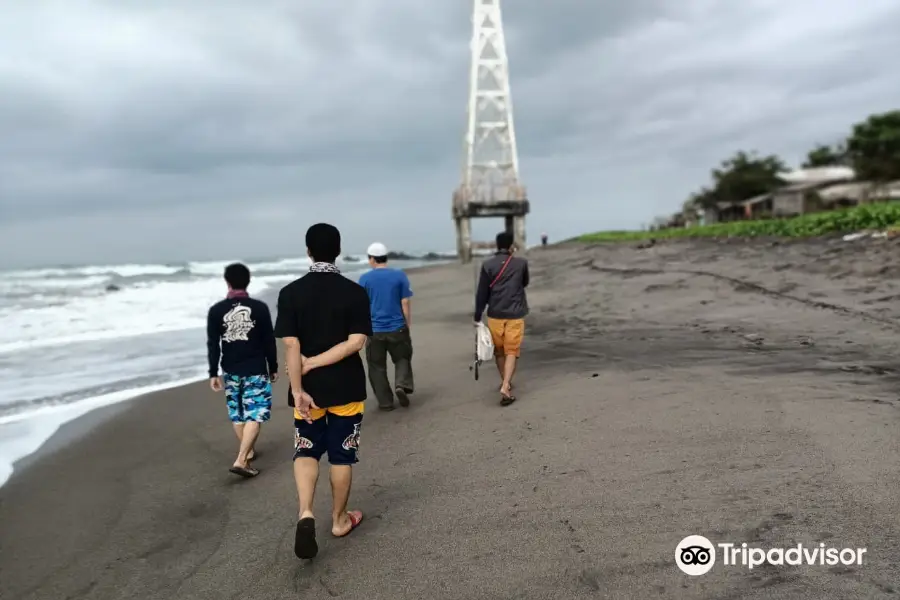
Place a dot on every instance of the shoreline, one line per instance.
(96, 411)
(91, 413)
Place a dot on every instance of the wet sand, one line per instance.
(747, 392)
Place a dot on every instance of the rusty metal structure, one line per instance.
(490, 184)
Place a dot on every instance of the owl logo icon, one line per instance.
(695, 555)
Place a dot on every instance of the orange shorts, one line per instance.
(507, 335)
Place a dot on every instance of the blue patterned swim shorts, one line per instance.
(249, 398)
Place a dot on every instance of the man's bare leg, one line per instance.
(238, 431)
(500, 361)
(250, 433)
(306, 474)
(509, 369)
(341, 479)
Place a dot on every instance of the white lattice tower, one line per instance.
(490, 184)
(491, 167)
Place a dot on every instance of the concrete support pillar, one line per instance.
(464, 239)
(518, 227)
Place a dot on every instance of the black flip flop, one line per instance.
(506, 400)
(254, 457)
(305, 546)
(244, 472)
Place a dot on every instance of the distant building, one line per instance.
(807, 191)
(818, 175)
(725, 212)
(758, 207)
(796, 199)
(802, 194)
(859, 192)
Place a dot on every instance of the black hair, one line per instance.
(323, 242)
(237, 275)
(379, 260)
(504, 240)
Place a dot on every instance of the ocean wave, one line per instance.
(297, 265)
(79, 276)
(15, 289)
(98, 336)
(126, 270)
(59, 315)
(54, 283)
(216, 268)
(143, 309)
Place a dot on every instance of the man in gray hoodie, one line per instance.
(501, 287)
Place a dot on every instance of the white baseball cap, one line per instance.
(377, 249)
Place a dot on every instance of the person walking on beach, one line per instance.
(239, 333)
(324, 322)
(390, 299)
(501, 287)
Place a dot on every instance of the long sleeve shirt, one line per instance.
(240, 336)
(506, 299)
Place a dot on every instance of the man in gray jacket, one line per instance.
(501, 287)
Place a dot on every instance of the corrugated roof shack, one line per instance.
(859, 192)
(725, 212)
(800, 199)
(758, 207)
(803, 198)
(801, 194)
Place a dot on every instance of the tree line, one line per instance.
(872, 150)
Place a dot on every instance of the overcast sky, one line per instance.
(190, 129)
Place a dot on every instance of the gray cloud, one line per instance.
(139, 131)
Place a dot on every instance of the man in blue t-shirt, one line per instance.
(389, 302)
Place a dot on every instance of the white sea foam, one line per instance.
(129, 270)
(212, 268)
(142, 309)
(298, 265)
(37, 285)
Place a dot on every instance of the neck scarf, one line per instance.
(323, 267)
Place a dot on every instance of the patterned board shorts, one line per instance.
(249, 398)
(331, 433)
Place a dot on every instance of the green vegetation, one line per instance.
(880, 215)
(824, 155)
(872, 150)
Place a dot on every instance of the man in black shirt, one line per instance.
(324, 320)
(243, 327)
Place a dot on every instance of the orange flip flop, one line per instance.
(356, 518)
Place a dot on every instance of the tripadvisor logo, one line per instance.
(696, 555)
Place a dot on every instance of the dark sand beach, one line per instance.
(747, 392)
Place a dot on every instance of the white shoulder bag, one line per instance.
(484, 343)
